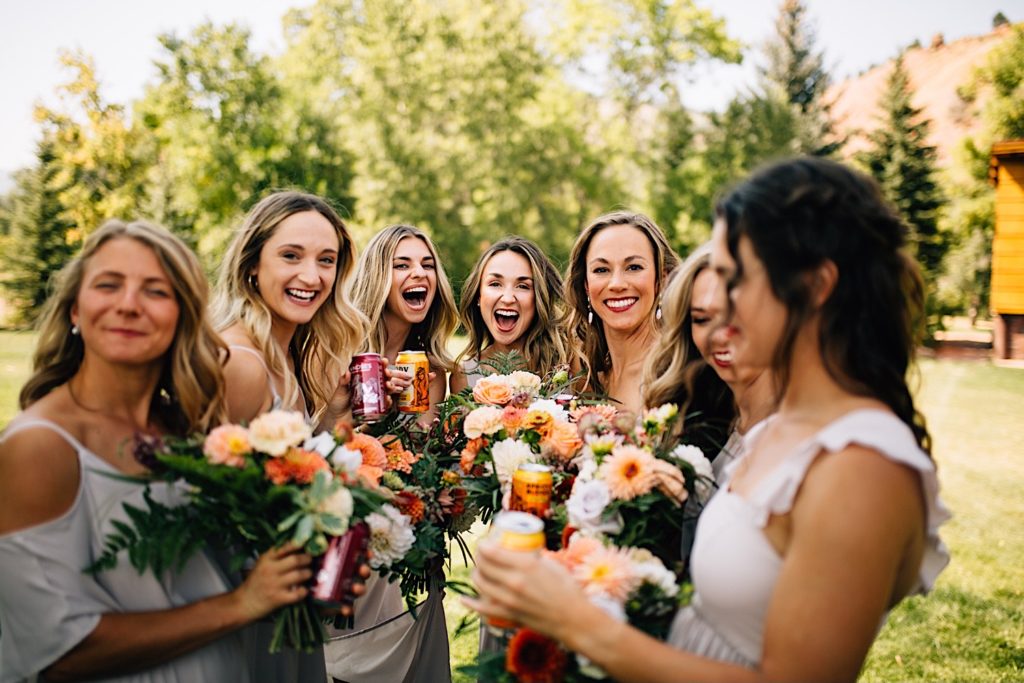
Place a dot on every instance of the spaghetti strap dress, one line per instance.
(735, 568)
(48, 604)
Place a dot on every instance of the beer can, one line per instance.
(531, 489)
(367, 387)
(336, 568)
(416, 397)
(518, 531)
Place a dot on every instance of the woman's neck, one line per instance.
(124, 393)
(755, 401)
(627, 350)
(812, 394)
(397, 330)
(282, 333)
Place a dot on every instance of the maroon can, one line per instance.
(367, 386)
(336, 568)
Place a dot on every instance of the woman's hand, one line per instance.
(527, 588)
(278, 579)
(395, 381)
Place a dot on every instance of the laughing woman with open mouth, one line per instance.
(512, 302)
(401, 286)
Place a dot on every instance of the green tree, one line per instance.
(34, 243)
(903, 162)
(795, 72)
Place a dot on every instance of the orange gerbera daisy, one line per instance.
(539, 421)
(577, 550)
(629, 472)
(370, 448)
(534, 658)
(295, 465)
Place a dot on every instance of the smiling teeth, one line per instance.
(507, 314)
(724, 356)
(300, 294)
(621, 303)
(416, 290)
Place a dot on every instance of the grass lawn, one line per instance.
(971, 628)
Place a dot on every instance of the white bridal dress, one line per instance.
(48, 605)
(735, 568)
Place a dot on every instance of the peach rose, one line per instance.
(563, 440)
(494, 390)
(275, 432)
(483, 420)
(227, 445)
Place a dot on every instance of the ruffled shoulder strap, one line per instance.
(880, 431)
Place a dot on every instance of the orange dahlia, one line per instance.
(410, 505)
(399, 459)
(370, 448)
(296, 465)
(534, 658)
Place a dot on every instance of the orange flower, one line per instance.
(494, 390)
(371, 474)
(512, 418)
(399, 459)
(564, 440)
(410, 505)
(370, 448)
(296, 465)
(578, 548)
(629, 472)
(539, 421)
(343, 430)
(533, 658)
(608, 571)
(451, 478)
(473, 447)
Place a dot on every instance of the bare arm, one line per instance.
(854, 548)
(125, 642)
(457, 382)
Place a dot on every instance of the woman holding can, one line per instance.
(815, 283)
(282, 304)
(124, 349)
(511, 301)
(401, 287)
(613, 289)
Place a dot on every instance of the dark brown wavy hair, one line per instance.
(802, 212)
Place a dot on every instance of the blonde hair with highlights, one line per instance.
(373, 285)
(192, 378)
(545, 343)
(590, 337)
(321, 348)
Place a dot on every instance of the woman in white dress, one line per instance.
(402, 289)
(617, 269)
(124, 348)
(831, 516)
(511, 301)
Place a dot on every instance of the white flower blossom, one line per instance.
(586, 506)
(339, 504)
(701, 465)
(391, 536)
(508, 455)
(551, 407)
(323, 443)
(346, 460)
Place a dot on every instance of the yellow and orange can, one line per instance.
(531, 489)
(416, 397)
(519, 531)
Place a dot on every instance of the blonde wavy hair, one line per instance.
(321, 348)
(590, 337)
(373, 285)
(546, 344)
(190, 392)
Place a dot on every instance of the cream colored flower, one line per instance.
(483, 420)
(275, 432)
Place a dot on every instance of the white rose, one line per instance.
(586, 506)
(339, 504)
(346, 460)
(275, 432)
(323, 443)
(701, 465)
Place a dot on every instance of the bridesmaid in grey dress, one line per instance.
(124, 348)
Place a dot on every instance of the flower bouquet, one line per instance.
(254, 488)
(631, 584)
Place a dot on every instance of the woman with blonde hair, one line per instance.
(402, 289)
(282, 303)
(613, 289)
(511, 301)
(814, 282)
(124, 349)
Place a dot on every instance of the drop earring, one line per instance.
(590, 313)
(75, 330)
(657, 313)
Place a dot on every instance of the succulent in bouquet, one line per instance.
(251, 488)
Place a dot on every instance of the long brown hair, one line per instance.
(545, 344)
(589, 336)
(802, 212)
(190, 393)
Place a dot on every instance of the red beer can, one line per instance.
(336, 568)
(367, 387)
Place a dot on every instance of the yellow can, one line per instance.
(519, 531)
(416, 397)
(531, 489)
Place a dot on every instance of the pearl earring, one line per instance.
(657, 313)
(590, 313)
(75, 330)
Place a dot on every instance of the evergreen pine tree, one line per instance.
(35, 244)
(796, 73)
(903, 162)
